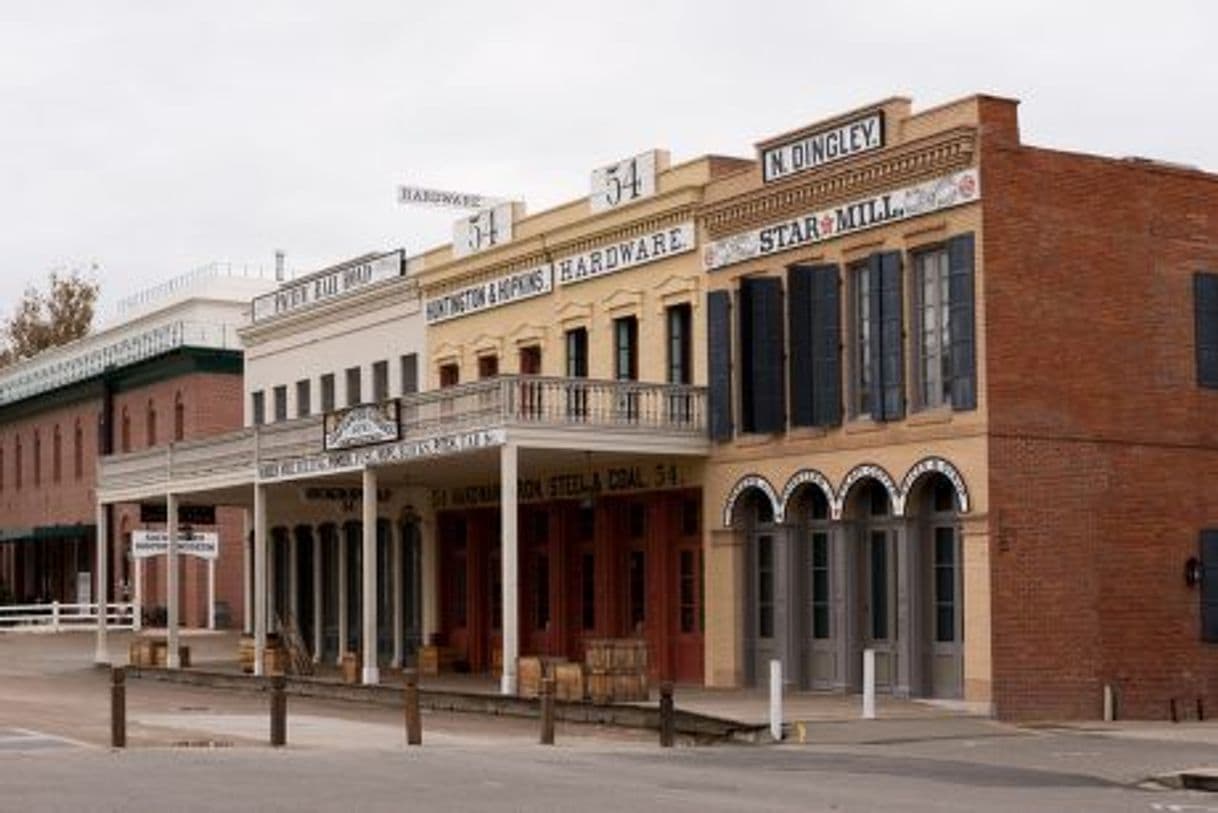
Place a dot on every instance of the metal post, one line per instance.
(668, 723)
(410, 695)
(259, 586)
(137, 610)
(247, 567)
(510, 565)
(317, 596)
(776, 699)
(211, 594)
(547, 710)
(55, 615)
(868, 684)
(101, 655)
(173, 597)
(279, 711)
(344, 620)
(371, 672)
(118, 707)
(395, 557)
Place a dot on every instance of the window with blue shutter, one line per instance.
(800, 327)
(761, 356)
(1209, 586)
(719, 362)
(1205, 314)
(886, 339)
(962, 321)
(826, 347)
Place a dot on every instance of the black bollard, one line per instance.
(668, 722)
(118, 707)
(547, 710)
(279, 711)
(410, 695)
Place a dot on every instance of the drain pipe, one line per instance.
(1109, 703)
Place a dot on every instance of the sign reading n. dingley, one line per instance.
(492, 293)
(823, 147)
(625, 254)
(952, 190)
(340, 280)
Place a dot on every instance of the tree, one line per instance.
(42, 320)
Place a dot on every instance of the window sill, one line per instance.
(807, 432)
(862, 425)
(753, 439)
(930, 417)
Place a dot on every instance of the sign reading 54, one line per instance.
(486, 229)
(626, 181)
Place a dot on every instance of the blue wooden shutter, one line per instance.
(826, 347)
(801, 322)
(876, 340)
(961, 321)
(719, 360)
(891, 388)
(766, 354)
(1205, 314)
(1209, 586)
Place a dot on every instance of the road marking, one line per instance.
(25, 739)
(1178, 808)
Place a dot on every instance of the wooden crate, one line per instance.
(142, 652)
(274, 661)
(629, 654)
(569, 681)
(435, 659)
(350, 667)
(598, 653)
(528, 676)
(629, 687)
(245, 653)
(600, 686)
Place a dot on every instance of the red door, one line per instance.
(687, 591)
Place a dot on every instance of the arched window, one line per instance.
(37, 458)
(151, 423)
(17, 472)
(56, 456)
(125, 434)
(179, 417)
(78, 450)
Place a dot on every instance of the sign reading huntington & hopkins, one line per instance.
(491, 293)
(330, 283)
(953, 190)
(823, 147)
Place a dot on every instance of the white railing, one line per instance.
(186, 282)
(57, 616)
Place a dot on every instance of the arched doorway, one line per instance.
(809, 517)
(752, 510)
(874, 561)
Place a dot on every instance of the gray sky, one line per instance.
(155, 137)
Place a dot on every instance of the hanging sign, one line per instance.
(619, 256)
(155, 512)
(956, 189)
(204, 544)
(626, 181)
(331, 283)
(443, 198)
(492, 293)
(362, 425)
(823, 147)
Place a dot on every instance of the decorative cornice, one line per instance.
(935, 155)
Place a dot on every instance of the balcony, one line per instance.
(534, 411)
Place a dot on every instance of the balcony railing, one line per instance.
(574, 404)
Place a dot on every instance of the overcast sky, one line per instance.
(155, 137)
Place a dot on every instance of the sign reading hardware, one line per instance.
(823, 147)
(342, 279)
(354, 459)
(205, 545)
(362, 425)
(626, 181)
(625, 254)
(443, 198)
(492, 293)
(486, 229)
(952, 190)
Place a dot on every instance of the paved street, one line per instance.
(194, 749)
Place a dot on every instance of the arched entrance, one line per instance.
(753, 509)
(874, 563)
(808, 515)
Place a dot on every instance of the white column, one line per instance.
(371, 672)
(396, 564)
(259, 577)
(171, 583)
(247, 555)
(293, 579)
(317, 596)
(429, 585)
(344, 619)
(211, 594)
(137, 611)
(271, 585)
(508, 559)
(101, 655)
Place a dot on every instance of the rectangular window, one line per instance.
(488, 366)
(380, 381)
(281, 403)
(691, 517)
(765, 586)
(327, 392)
(56, 456)
(410, 373)
(587, 576)
(934, 329)
(37, 458)
(496, 582)
(1205, 315)
(762, 350)
(820, 585)
(541, 590)
(1, 469)
(879, 585)
(450, 375)
(679, 353)
(860, 342)
(78, 453)
(258, 407)
(638, 590)
(354, 387)
(577, 367)
(530, 360)
(945, 585)
(626, 348)
(304, 398)
(688, 575)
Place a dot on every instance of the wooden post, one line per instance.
(118, 707)
(410, 694)
(668, 723)
(279, 711)
(547, 710)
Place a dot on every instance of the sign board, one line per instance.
(362, 425)
(443, 198)
(355, 459)
(624, 254)
(946, 192)
(492, 293)
(329, 284)
(570, 485)
(823, 147)
(154, 513)
(487, 228)
(205, 544)
(626, 181)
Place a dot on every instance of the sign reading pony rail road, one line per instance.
(340, 280)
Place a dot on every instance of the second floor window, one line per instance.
(37, 458)
(125, 431)
(577, 353)
(281, 402)
(380, 381)
(860, 339)
(488, 366)
(179, 417)
(626, 348)
(354, 394)
(150, 424)
(258, 407)
(78, 451)
(56, 456)
(410, 373)
(933, 329)
(327, 392)
(303, 398)
(679, 361)
(450, 375)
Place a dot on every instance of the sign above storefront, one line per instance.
(823, 147)
(329, 284)
(205, 545)
(570, 485)
(956, 189)
(626, 181)
(154, 512)
(362, 425)
(403, 450)
(624, 254)
(485, 229)
(443, 198)
(491, 293)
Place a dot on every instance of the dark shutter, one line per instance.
(1205, 310)
(875, 340)
(719, 359)
(801, 322)
(826, 347)
(1209, 586)
(887, 339)
(962, 322)
(766, 354)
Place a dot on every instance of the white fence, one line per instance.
(56, 616)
